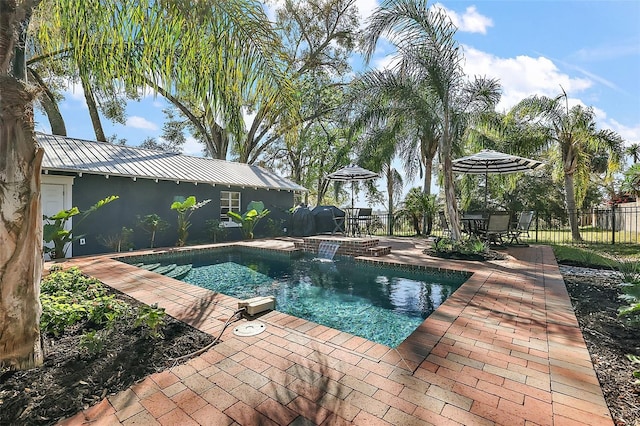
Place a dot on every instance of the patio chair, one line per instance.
(521, 228)
(363, 221)
(497, 227)
(339, 221)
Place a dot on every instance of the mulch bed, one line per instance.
(71, 380)
(595, 300)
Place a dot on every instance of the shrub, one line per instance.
(69, 297)
(152, 318)
(630, 270)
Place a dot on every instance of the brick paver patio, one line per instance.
(505, 349)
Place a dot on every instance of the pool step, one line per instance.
(379, 251)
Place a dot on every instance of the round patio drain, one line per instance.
(249, 329)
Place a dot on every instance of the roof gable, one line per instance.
(80, 156)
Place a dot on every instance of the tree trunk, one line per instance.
(428, 156)
(48, 102)
(572, 210)
(451, 210)
(93, 108)
(20, 228)
(390, 175)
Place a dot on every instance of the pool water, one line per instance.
(383, 305)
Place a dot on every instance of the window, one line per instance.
(229, 201)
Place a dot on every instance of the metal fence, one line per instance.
(611, 225)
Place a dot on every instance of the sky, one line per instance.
(590, 48)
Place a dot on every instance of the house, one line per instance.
(79, 173)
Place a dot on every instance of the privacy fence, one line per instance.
(619, 224)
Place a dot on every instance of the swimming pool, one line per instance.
(381, 304)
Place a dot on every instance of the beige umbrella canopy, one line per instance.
(352, 174)
(489, 161)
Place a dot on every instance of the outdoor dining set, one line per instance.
(494, 227)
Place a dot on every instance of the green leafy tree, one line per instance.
(318, 38)
(152, 224)
(185, 209)
(55, 227)
(211, 48)
(573, 139)
(250, 218)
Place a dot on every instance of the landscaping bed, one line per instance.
(74, 378)
(594, 296)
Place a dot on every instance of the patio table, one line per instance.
(473, 223)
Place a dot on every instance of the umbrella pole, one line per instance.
(486, 185)
(352, 182)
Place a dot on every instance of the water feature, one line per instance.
(327, 249)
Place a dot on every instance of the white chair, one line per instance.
(497, 228)
(522, 227)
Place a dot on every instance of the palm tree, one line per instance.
(427, 50)
(572, 136)
(633, 151)
(385, 97)
(377, 149)
(220, 48)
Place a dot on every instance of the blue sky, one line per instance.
(591, 48)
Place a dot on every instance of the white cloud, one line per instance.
(365, 9)
(522, 76)
(140, 123)
(75, 92)
(471, 21)
(192, 147)
(385, 62)
(630, 135)
(620, 49)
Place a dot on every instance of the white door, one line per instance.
(52, 203)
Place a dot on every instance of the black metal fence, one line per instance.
(610, 225)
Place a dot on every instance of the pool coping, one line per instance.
(504, 348)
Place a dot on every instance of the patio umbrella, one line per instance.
(352, 174)
(489, 161)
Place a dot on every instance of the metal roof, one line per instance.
(65, 154)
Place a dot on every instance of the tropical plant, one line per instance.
(421, 209)
(152, 224)
(470, 248)
(185, 209)
(123, 42)
(153, 318)
(250, 218)
(54, 230)
(118, 242)
(428, 51)
(216, 228)
(573, 139)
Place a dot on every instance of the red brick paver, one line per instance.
(504, 349)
